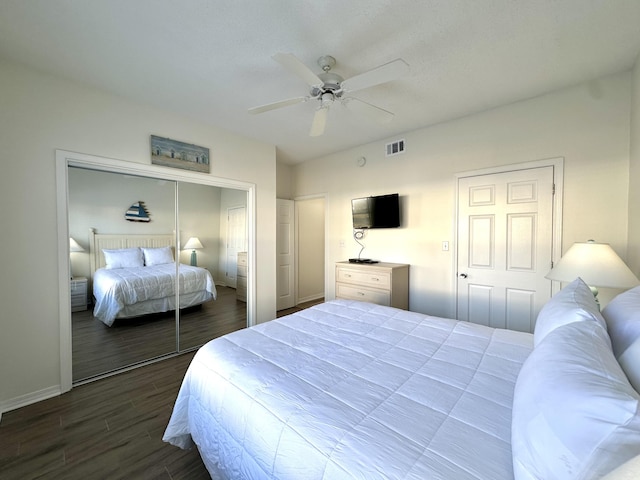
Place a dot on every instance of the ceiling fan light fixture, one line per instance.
(327, 87)
(326, 99)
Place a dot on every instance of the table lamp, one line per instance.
(74, 247)
(192, 244)
(597, 264)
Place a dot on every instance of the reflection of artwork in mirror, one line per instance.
(172, 153)
(137, 212)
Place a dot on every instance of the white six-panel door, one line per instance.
(285, 238)
(505, 238)
(236, 242)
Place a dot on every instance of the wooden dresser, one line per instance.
(241, 277)
(380, 283)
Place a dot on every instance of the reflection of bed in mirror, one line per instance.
(134, 275)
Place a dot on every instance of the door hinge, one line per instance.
(553, 189)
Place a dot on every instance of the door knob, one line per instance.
(463, 275)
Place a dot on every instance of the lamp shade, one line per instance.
(193, 243)
(596, 263)
(74, 246)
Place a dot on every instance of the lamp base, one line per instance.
(594, 290)
(194, 259)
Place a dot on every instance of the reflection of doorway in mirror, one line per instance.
(236, 241)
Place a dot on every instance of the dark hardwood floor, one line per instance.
(99, 349)
(108, 429)
(111, 428)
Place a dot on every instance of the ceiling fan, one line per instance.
(329, 87)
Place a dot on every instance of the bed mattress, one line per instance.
(126, 292)
(353, 390)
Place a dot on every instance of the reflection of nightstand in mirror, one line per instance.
(78, 294)
(241, 277)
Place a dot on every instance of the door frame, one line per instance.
(556, 247)
(65, 159)
(303, 198)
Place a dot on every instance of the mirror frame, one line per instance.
(65, 159)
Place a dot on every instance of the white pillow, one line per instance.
(123, 258)
(157, 256)
(575, 415)
(622, 315)
(574, 303)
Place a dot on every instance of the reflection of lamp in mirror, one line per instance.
(192, 244)
(597, 264)
(74, 247)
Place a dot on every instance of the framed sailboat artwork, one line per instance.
(137, 212)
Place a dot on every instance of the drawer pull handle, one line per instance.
(347, 275)
(375, 278)
(361, 294)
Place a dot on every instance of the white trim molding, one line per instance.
(29, 398)
(65, 159)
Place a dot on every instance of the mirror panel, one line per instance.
(207, 240)
(99, 200)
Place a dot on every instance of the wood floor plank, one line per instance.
(98, 349)
(111, 428)
(108, 429)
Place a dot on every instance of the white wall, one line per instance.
(283, 181)
(39, 114)
(588, 125)
(199, 212)
(633, 249)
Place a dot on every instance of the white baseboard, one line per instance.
(28, 399)
(310, 298)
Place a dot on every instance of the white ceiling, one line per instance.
(211, 59)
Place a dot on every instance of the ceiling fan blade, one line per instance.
(319, 122)
(295, 66)
(280, 104)
(377, 114)
(382, 74)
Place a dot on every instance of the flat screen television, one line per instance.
(382, 211)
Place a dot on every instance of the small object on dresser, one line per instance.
(362, 260)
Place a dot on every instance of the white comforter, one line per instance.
(353, 390)
(117, 288)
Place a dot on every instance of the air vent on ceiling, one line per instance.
(395, 148)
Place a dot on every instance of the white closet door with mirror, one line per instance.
(108, 336)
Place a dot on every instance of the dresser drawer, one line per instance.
(354, 292)
(242, 271)
(369, 279)
(242, 259)
(381, 283)
(78, 288)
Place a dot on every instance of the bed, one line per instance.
(348, 390)
(134, 275)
